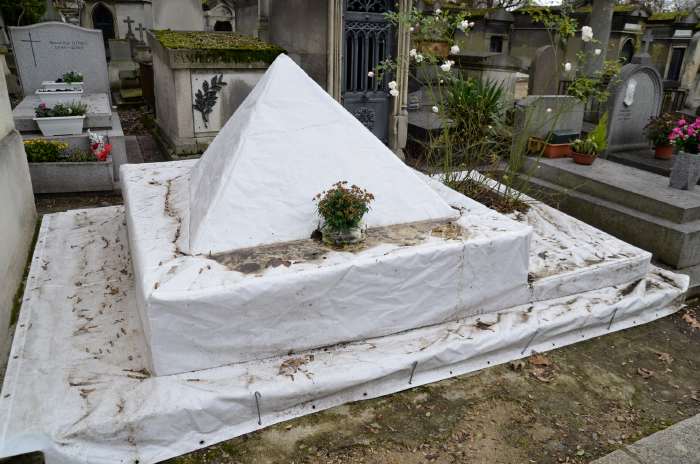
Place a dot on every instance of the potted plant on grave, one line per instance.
(60, 119)
(342, 209)
(587, 149)
(686, 165)
(657, 131)
(56, 167)
(72, 80)
(434, 35)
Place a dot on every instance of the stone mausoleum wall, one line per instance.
(184, 62)
(17, 213)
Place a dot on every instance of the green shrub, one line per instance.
(42, 151)
(72, 77)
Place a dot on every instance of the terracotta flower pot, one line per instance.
(583, 158)
(435, 47)
(557, 150)
(664, 152)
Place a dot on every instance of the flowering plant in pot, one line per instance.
(342, 209)
(60, 119)
(686, 165)
(586, 150)
(657, 131)
(72, 80)
(433, 34)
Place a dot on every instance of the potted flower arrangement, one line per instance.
(342, 209)
(71, 80)
(586, 150)
(60, 119)
(686, 165)
(57, 167)
(434, 34)
(657, 131)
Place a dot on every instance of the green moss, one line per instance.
(616, 9)
(668, 16)
(210, 47)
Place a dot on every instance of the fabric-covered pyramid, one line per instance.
(288, 141)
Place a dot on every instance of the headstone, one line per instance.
(544, 72)
(540, 115)
(119, 50)
(45, 51)
(634, 99)
(129, 33)
(293, 140)
(178, 15)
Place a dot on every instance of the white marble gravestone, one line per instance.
(45, 51)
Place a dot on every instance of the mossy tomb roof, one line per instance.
(219, 46)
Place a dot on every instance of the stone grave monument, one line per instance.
(635, 97)
(44, 52)
(544, 72)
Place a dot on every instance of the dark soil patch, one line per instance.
(58, 202)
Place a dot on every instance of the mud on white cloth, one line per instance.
(76, 386)
(288, 141)
(200, 313)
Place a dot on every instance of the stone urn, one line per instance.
(435, 47)
(342, 237)
(685, 171)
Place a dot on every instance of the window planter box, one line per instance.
(537, 146)
(53, 85)
(59, 96)
(65, 125)
(59, 177)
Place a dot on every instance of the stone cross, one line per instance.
(129, 22)
(31, 44)
(141, 29)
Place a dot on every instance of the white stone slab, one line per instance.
(296, 296)
(286, 142)
(99, 112)
(77, 388)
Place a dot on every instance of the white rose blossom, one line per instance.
(454, 50)
(586, 33)
(412, 29)
(394, 92)
(392, 85)
(436, 109)
(464, 25)
(597, 51)
(549, 110)
(438, 11)
(412, 53)
(370, 74)
(567, 66)
(447, 65)
(419, 58)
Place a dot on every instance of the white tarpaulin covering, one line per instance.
(202, 312)
(291, 140)
(77, 387)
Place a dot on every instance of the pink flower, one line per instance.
(682, 122)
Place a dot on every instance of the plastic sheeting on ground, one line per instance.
(76, 385)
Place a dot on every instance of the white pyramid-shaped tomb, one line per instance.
(288, 141)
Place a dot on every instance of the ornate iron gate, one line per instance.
(367, 41)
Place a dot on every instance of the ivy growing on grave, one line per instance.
(205, 99)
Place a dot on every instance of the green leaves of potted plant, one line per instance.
(342, 209)
(586, 150)
(71, 80)
(657, 131)
(686, 165)
(61, 119)
(433, 34)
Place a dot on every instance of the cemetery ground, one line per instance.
(571, 405)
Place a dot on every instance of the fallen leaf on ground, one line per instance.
(542, 374)
(540, 360)
(483, 325)
(664, 357)
(689, 317)
(645, 373)
(517, 365)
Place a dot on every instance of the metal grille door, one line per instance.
(367, 41)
